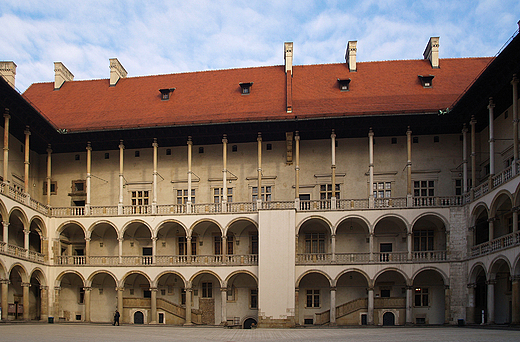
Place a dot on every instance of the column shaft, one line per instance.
(88, 185)
(87, 303)
(465, 159)
(188, 204)
(473, 122)
(25, 287)
(6, 145)
(188, 306)
(259, 145)
(297, 166)
(121, 177)
(491, 107)
(491, 302)
(5, 292)
(370, 314)
(515, 300)
(154, 190)
(332, 306)
(223, 300)
(26, 161)
(49, 169)
(224, 174)
(370, 168)
(153, 300)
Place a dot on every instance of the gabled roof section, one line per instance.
(211, 97)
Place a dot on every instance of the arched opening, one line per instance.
(104, 246)
(35, 236)
(171, 241)
(206, 239)
(351, 298)
(15, 294)
(429, 239)
(502, 291)
(241, 299)
(388, 319)
(36, 300)
(16, 229)
(171, 298)
(207, 299)
(72, 245)
(390, 295)
(428, 298)
(314, 242)
(103, 298)
(137, 245)
(138, 317)
(390, 240)
(503, 223)
(481, 227)
(242, 243)
(479, 289)
(137, 295)
(352, 241)
(313, 299)
(250, 323)
(71, 303)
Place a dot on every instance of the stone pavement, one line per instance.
(101, 332)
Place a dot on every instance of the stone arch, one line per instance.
(40, 224)
(242, 236)
(3, 270)
(445, 278)
(208, 220)
(474, 271)
(351, 235)
(64, 273)
(479, 208)
(494, 265)
(18, 224)
(429, 233)
(497, 200)
(23, 274)
(156, 280)
(201, 272)
(311, 218)
(241, 272)
(238, 219)
(88, 281)
(23, 217)
(516, 196)
(392, 216)
(64, 225)
(37, 233)
(356, 270)
(159, 226)
(205, 234)
(104, 237)
(102, 285)
(3, 211)
(97, 223)
(516, 266)
(131, 222)
(138, 272)
(502, 214)
(38, 273)
(352, 217)
(329, 279)
(431, 213)
(393, 269)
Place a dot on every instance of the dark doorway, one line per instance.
(248, 323)
(384, 250)
(388, 319)
(138, 317)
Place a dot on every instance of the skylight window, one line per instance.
(166, 93)
(426, 81)
(344, 84)
(246, 87)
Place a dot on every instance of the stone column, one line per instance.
(121, 178)
(6, 145)
(409, 245)
(188, 306)
(514, 82)
(333, 246)
(56, 302)
(26, 242)
(332, 306)
(224, 174)
(491, 224)
(259, 144)
(223, 241)
(89, 164)
(120, 291)
(297, 170)
(120, 249)
(87, 303)
(470, 309)
(5, 231)
(370, 314)
(188, 204)
(515, 220)
(370, 168)
(27, 133)
(333, 170)
(188, 246)
(5, 292)
(409, 304)
(473, 123)
(491, 301)
(154, 249)
(49, 169)
(491, 107)
(154, 305)
(297, 306)
(447, 302)
(154, 200)
(515, 300)
(25, 288)
(223, 299)
(44, 298)
(464, 159)
(371, 246)
(87, 250)
(409, 168)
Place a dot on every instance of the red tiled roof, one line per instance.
(215, 96)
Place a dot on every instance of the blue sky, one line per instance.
(158, 37)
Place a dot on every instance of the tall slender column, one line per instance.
(370, 168)
(188, 246)
(26, 242)
(259, 143)
(120, 290)
(297, 305)
(491, 107)
(332, 314)
(6, 231)
(49, 169)
(409, 299)
(515, 300)
(297, 170)
(154, 200)
(25, 288)
(44, 308)
(223, 241)
(89, 164)
(120, 249)
(409, 245)
(371, 246)
(121, 178)
(6, 145)
(370, 314)
(491, 230)
(56, 301)
(153, 300)
(514, 82)
(447, 304)
(223, 300)
(464, 159)
(515, 220)
(470, 309)
(333, 246)
(87, 303)
(333, 169)
(188, 204)
(491, 301)
(473, 123)
(224, 173)
(409, 167)
(154, 249)
(5, 292)
(188, 306)
(27, 133)
(87, 249)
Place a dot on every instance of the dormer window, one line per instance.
(426, 81)
(165, 93)
(246, 87)
(344, 84)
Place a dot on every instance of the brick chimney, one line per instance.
(432, 52)
(350, 55)
(8, 71)
(116, 71)
(61, 75)
(288, 56)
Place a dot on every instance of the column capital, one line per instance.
(224, 139)
(333, 134)
(223, 289)
(57, 288)
(89, 146)
(297, 135)
(87, 288)
(514, 80)
(515, 278)
(120, 288)
(120, 239)
(87, 239)
(409, 287)
(6, 113)
(446, 287)
(491, 282)
(491, 103)
(5, 224)
(154, 239)
(464, 128)
(5, 281)
(473, 121)
(44, 288)
(333, 288)
(189, 141)
(370, 288)
(27, 131)
(370, 132)
(121, 146)
(26, 231)
(408, 131)
(259, 137)
(155, 144)
(153, 289)
(26, 284)
(49, 149)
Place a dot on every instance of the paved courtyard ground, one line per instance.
(99, 332)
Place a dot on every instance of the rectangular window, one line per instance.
(458, 187)
(423, 240)
(326, 191)
(382, 189)
(183, 296)
(313, 298)
(230, 294)
(253, 299)
(81, 295)
(253, 243)
(183, 245)
(140, 201)
(424, 188)
(207, 290)
(315, 243)
(218, 194)
(217, 242)
(182, 196)
(266, 193)
(421, 296)
(230, 241)
(54, 187)
(147, 294)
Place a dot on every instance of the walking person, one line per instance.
(116, 318)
